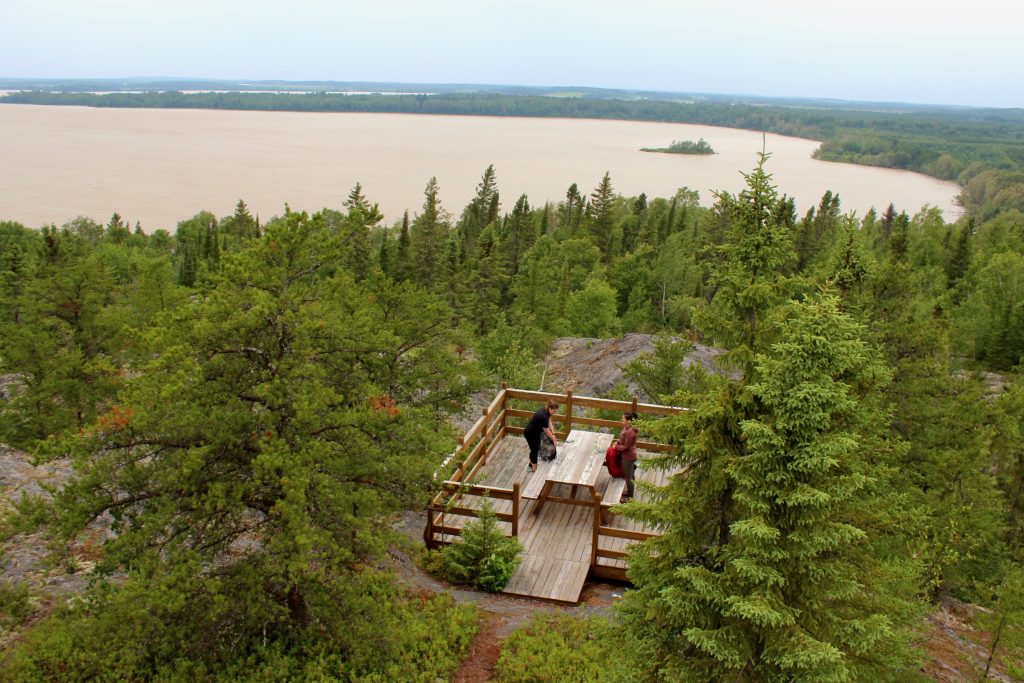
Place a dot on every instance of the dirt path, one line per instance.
(483, 654)
(500, 614)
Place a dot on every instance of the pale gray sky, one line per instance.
(928, 51)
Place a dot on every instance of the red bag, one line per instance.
(611, 458)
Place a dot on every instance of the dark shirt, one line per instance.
(537, 423)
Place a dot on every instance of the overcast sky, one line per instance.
(927, 51)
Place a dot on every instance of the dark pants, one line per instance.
(534, 441)
(628, 467)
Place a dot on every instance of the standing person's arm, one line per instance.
(551, 434)
(550, 430)
(627, 440)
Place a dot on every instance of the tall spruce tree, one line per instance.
(481, 211)
(403, 266)
(519, 234)
(748, 273)
(600, 215)
(794, 592)
(360, 218)
(427, 236)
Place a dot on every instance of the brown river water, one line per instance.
(158, 167)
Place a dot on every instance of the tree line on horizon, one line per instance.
(247, 402)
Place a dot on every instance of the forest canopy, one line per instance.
(249, 404)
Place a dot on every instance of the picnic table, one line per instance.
(579, 463)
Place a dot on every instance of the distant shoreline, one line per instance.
(946, 143)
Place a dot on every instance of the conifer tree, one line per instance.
(851, 265)
(960, 259)
(481, 211)
(385, 256)
(601, 219)
(59, 338)
(487, 282)
(658, 374)
(749, 277)
(360, 218)
(403, 252)
(14, 278)
(287, 411)
(519, 234)
(427, 235)
(241, 224)
(793, 591)
(667, 225)
(571, 211)
(815, 234)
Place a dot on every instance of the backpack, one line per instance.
(547, 451)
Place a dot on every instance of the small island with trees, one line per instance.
(683, 147)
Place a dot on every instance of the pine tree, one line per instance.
(793, 591)
(241, 224)
(61, 340)
(960, 259)
(815, 234)
(291, 409)
(360, 218)
(428, 233)
(403, 252)
(851, 265)
(572, 210)
(385, 257)
(487, 282)
(481, 211)
(658, 374)
(482, 556)
(601, 219)
(520, 234)
(748, 278)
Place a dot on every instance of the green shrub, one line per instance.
(482, 557)
(364, 628)
(15, 607)
(562, 648)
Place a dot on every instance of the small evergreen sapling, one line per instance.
(482, 557)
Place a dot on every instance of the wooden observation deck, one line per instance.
(563, 513)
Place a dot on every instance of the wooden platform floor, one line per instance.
(556, 559)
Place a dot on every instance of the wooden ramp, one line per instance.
(556, 559)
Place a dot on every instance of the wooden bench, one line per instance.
(611, 496)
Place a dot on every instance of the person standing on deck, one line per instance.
(625, 447)
(540, 423)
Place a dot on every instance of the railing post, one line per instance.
(597, 529)
(515, 510)
(484, 437)
(633, 407)
(503, 408)
(428, 532)
(568, 412)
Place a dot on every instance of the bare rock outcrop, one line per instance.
(592, 367)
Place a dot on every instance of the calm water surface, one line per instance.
(161, 166)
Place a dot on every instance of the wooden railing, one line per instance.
(493, 424)
(468, 457)
(568, 415)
